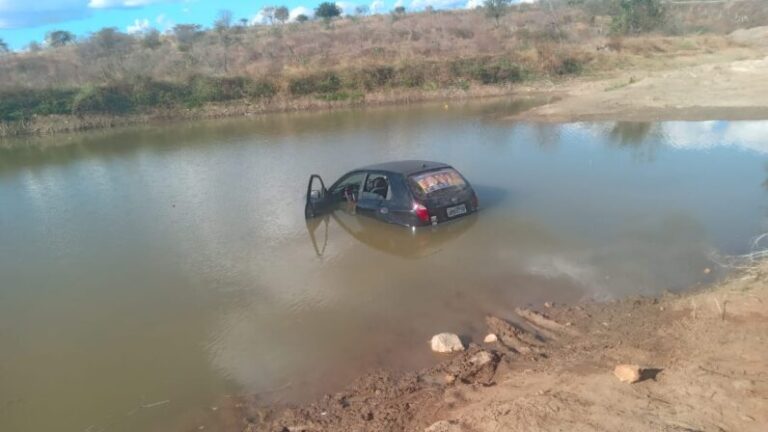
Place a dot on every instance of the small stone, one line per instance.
(490, 338)
(444, 426)
(446, 343)
(627, 373)
(707, 270)
(449, 379)
(547, 304)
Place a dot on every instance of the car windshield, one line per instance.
(433, 181)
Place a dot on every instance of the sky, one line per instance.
(24, 21)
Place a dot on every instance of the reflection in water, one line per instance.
(175, 262)
(392, 239)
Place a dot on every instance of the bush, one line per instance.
(16, 105)
(327, 82)
(102, 100)
(487, 71)
(569, 66)
(148, 93)
(411, 76)
(260, 90)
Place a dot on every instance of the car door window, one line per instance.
(377, 187)
(348, 188)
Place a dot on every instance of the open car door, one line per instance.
(318, 199)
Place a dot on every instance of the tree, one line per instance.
(186, 35)
(268, 12)
(362, 10)
(400, 10)
(110, 41)
(282, 14)
(637, 16)
(301, 18)
(223, 27)
(327, 11)
(34, 47)
(496, 9)
(4, 47)
(151, 39)
(223, 21)
(59, 38)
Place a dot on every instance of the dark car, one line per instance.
(410, 193)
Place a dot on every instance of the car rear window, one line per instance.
(432, 181)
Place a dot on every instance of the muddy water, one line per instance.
(147, 273)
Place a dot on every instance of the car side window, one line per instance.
(348, 187)
(377, 187)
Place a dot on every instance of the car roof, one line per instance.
(405, 167)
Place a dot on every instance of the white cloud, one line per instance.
(138, 26)
(301, 10)
(377, 6)
(439, 4)
(473, 4)
(346, 7)
(399, 3)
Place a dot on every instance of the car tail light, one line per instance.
(421, 212)
(475, 202)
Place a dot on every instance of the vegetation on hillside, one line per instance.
(333, 57)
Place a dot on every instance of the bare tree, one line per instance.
(496, 9)
(4, 47)
(223, 27)
(268, 12)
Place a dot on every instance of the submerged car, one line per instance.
(411, 193)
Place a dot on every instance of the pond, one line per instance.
(148, 272)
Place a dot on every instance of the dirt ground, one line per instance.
(725, 84)
(704, 360)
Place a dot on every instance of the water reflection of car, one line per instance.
(386, 238)
(410, 193)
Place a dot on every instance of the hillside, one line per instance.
(350, 60)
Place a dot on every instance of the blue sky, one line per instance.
(24, 21)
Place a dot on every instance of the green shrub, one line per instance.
(569, 66)
(327, 82)
(411, 76)
(16, 105)
(260, 90)
(102, 100)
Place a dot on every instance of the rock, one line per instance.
(490, 338)
(627, 373)
(444, 426)
(482, 358)
(446, 343)
(547, 304)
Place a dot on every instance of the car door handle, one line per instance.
(384, 210)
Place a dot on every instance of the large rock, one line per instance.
(446, 343)
(627, 373)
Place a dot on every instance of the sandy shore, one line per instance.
(703, 356)
(730, 84)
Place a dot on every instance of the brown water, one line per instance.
(174, 264)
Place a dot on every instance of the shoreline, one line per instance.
(701, 353)
(61, 124)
